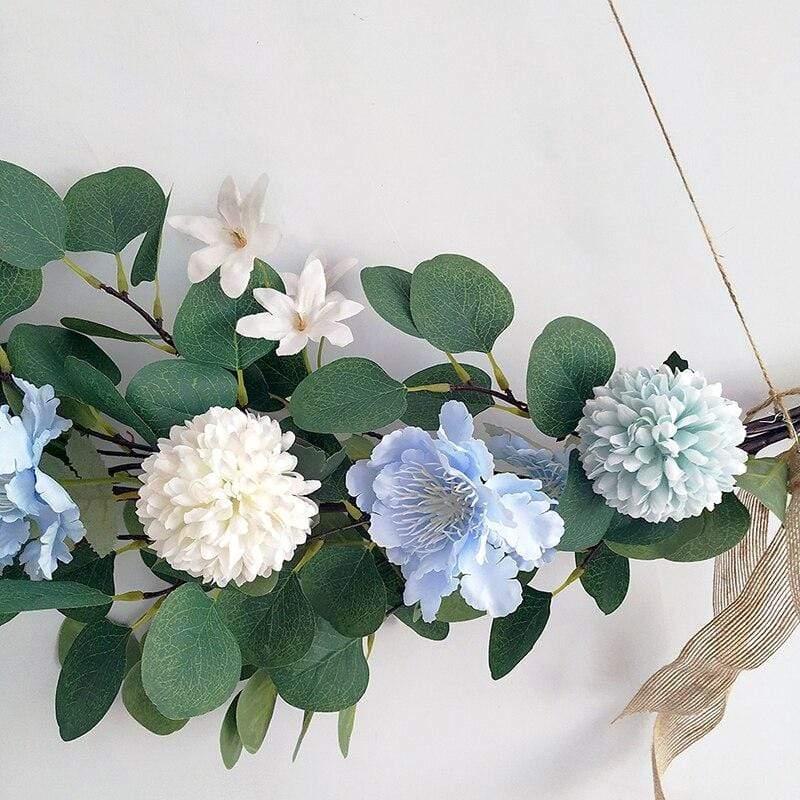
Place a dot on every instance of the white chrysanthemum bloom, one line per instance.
(220, 498)
(660, 444)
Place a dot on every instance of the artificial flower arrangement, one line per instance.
(282, 512)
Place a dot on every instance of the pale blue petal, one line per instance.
(392, 446)
(428, 590)
(21, 492)
(15, 446)
(455, 422)
(12, 536)
(52, 492)
(492, 586)
(39, 416)
(359, 480)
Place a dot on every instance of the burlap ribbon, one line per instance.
(756, 608)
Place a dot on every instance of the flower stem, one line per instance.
(158, 309)
(241, 391)
(571, 578)
(441, 388)
(463, 375)
(66, 482)
(511, 410)
(122, 279)
(136, 544)
(92, 280)
(319, 352)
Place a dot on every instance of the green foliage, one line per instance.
(344, 587)
(273, 375)
(435, 631)
(91, 386)
(32, 219)
(205, 326)
(346, 722)
(254, 710)
(567, 360)
(458, 305)
(307, 717)
(90, 678)
(161, 569)
(388, 290)
(606, 578)
(767, 479)
(455, 609)
(19, 289)
(169, 392)
(38, 354)
(423, 407)
(67, 634)
(108, 210)
(141, 708)
(586, 515)
(513, 636)
(191, 661)
(676, 362)
(331, 676)
(313, 463)
(359, 447)
(272, 629)
(24, 595)
(99, 508)
(230, 745)
(350, 395)
(96, 329)
(89, 569)
(145, 265)
(260, 585)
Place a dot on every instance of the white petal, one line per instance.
(276, 302)
(343, 308)
(339, 269)
(204, 262)
(291, 344)
(311, 287)
(263, 239)
(290, 282)
(254, 206)
(229, 203)
(207, 229)
(336, 333)
(263, 326)
(235, 273)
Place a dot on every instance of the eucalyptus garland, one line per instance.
(288, 505)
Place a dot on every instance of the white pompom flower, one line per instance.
(660, 444)
(221, 499)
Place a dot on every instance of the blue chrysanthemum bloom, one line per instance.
(32, 504)
(448, 521)
(529, 459)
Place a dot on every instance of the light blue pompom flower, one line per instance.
(32, 504)
(530, 460)
(448, 522)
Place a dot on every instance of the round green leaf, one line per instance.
(423, 407)
(455, 609)
(514, 636)
(167, 393)
(107, 210)
(459, 305)
(141, 709)
(567, 360)
(145, 265)
(435, 631)
(24, 595)
(350, 395)
(388, 290)
(32, 219)
(343, 585)
(90, 678)
(190, 662)
(767, 479)
(205, 326)
(67, 634)
(19, 289)
(38, 354)
(606, 578)
(331, 676)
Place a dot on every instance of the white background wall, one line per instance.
(513, 132)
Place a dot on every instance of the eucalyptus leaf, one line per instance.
(254, 710)
(230, 745)
(32, 219)
(108, 210)
(88, 569)
(514, 636)
(424, 407)
(307, 717)
(568, 359)
(676, 362)
(281, 375)
(388, 290)
(145, 265)
(358, 447)
(19, 289)
(606, 578)
(67, 633)
(38, 354)
(24, 595)
(350, 395)
(90, 678)
(586, 515)
(191, 661)
(458, 305)
(345, 725)
(455, 609)
(435, 631)
(170, 392)
(141, 709)
(767, 479)
(100, 331)
(205, 326)
(332, 675)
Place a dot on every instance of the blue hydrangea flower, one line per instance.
(526, 458)
(448, 521)
(31, 502)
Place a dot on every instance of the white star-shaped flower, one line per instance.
(308, 311)
(233, 239)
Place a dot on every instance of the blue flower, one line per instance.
(31, 502)
(532, 461)
(448, 521)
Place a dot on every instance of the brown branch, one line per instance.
(154, 323)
